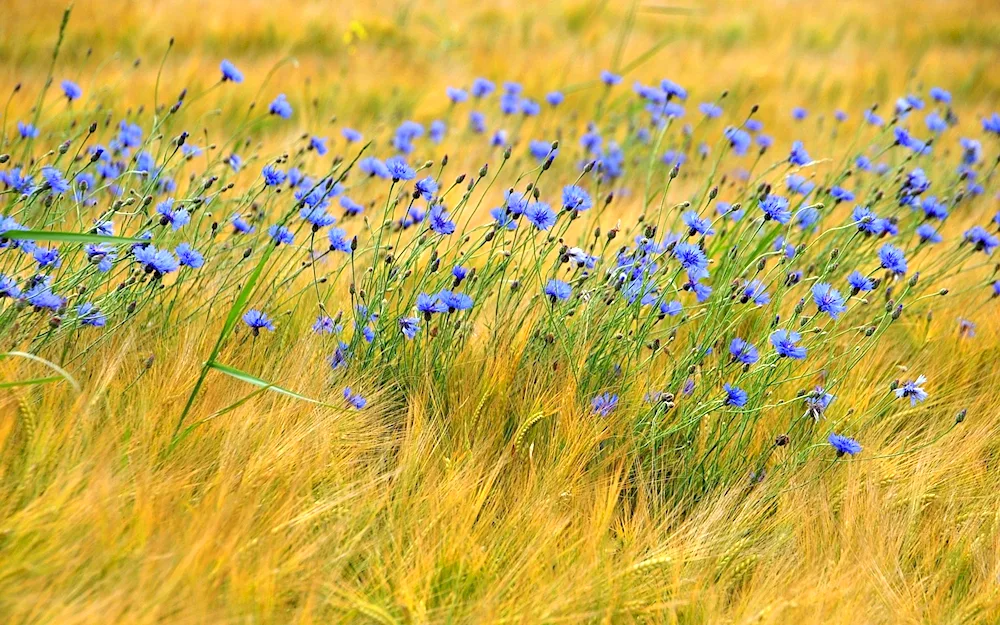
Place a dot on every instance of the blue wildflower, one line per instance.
(158, 262)
(188, 256)
(398, 169)
(89, 315)
(798, 156)
(557, 290)
(281, 234)
(735, 396)
(828, 299)
(928, 234)
(776, 207)
(409, 326)
(257, 320)
(784, 342)
(540, 215)
(355, 400)
(692, 259)
(892, 259)
(440, 221)
(281, 107)
(71, 90)
(229, 72)
(755, 291)
(913, 390)
(697, 224)
(743, 352)
(604, 404)
(26, 130)
(981, 239)
(175, 218)
(844, 445)
(454, 301)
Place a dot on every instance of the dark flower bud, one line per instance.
(961, 415)
(781, 440)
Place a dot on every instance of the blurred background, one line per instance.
(398, 55)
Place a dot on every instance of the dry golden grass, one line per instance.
(496, 505)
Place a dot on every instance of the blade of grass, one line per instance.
(65, 237)
(51, 365)
(32, 382)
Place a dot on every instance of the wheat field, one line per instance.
(357, 395)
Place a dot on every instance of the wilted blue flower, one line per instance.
(735, 396)
(229, 72)
(913, 390)
(604, 404)
(828, 299)
(257, 320)
(784, 342)
(743, 352)
(844, 445)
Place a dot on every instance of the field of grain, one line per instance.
(453, 312)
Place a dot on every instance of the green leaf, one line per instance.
(32, 382)
(66, 237)
(51, 365)
(252, 379)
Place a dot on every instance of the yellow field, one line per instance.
(493, 500)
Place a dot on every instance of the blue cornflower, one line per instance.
(530, 108)
(743, 352)
(234, 161)
(892, 259)
(457, 95)
(339, 357)
(610, 79)
(604, 404)
(799, 113)
(776, 207)
(229, 72)
(934, 209)
(916, 182)
(755, 291)
(355, 400)
(155, 261)
(710, 110)
(437, 131)
(859, 282)
(540, 215)
(981, 239)
(828, 299)
(840, 194)
(840, 115)
(100, 254)
(807, 217)
(273, 176)
(735, 396)
(8, 287)
(764, 141)
(739, 140)
(257, 320)
(554, 98)
(281, 107)
(940, 95)
(318, 144)
(701, 291)
(477, 122)
(992, 123)
(324, 324)
(71, 90)
(188, 256)
(54, 180)
(454, 301)
(503, 218)
(576, 198)
(398, 169)
(817, 401)
(41, 296)
(935, 123)
(46, 257)
(697, 224)
(843, 444)
(26, 130)
(426, 188)
(409, 326)
(89, 315)
(374, 167)
(240, 225)
(671, 308)
(281, 234)
(867, 221)
(317, 216)
(784, 342)
(913, 390)
(541, 149)
(430, 304)
(673, 90)
(928, 234)
(338, 240)
(176, 218)
(350, 206)
(798, 156)
(557, 290)
(727, 210)
(440, 221)
(972, 151)
(482, 88)
(966, 328)
(459, 273)
(351, 135)
(799, 184)
(692, 259)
